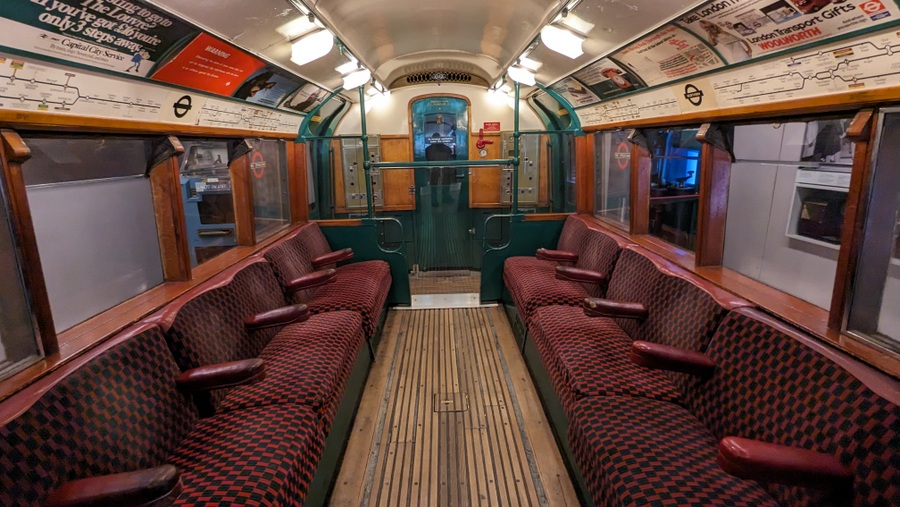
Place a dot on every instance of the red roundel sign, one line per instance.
(623, 155)
(258, 165)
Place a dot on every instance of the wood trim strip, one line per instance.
(846, 101)
(56, 122)
(641, 166)
(353, 222)
(713, 203)
(584, 174)
(171, 225)
(15, 153)
(546, 217)
(861, 131)
(242, 194)
(299, 187)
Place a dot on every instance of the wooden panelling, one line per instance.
(14, 154)
(584, 174)
(544, 172)
(846, 101)
(641, 166)
(171, 226)
(297, 172)
(484, 182)
(715, 172)
(861, 131)
(546, 217)
(58, 122)
(242, 194)
(397, 181)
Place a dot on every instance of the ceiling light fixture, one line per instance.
(562, 41)
(521, 75)
(312, 47)
(347, 68)
(357, 79)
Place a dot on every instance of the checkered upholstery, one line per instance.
(533, 284)
(264, 457)
(119, 412)
(638, 451)
(307, 363)
(209, 327)
(590, 357)
(680, 313)
(771, 387)
(361, 286)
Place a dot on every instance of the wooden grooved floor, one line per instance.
(450, 417)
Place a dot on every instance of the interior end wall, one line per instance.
(391, 117)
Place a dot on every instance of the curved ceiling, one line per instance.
(390, 37)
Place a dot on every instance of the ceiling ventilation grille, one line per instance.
(439, 76)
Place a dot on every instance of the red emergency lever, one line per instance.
(481, 142)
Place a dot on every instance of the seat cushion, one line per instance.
(261, 457)
(591, 358)
(533, 286)
(361, 288)
(306, 363)
(638, 451)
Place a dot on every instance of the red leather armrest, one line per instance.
(596, 307)
(310, 280)
(761, 461)
(333, 257)
(153, 486)
(277, 317)
(572, 274)
(556, 255)
(666, 357)
(220, 376)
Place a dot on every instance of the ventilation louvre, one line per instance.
(439, 76)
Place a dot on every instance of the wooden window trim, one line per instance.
(83, 337)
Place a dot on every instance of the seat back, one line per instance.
(206, 325)
(291, 258)
(599, 252)
(114, 410)
(683, 310)
(775, 384)
(316, 244)
(572, 235)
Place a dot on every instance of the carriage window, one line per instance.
(612, 168)
(94, 219)
(875, 304)
(18, 341)
(786, 201)
(674, 185)
(271, 194)
(206, 192)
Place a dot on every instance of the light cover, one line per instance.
(312, 47)
(562, 41)
(347, 68)
(521, 75)
(357, 79)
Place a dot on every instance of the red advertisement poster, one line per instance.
(210, 65)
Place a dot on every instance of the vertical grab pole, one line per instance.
(367, 164)
(516, 162)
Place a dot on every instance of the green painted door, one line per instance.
(441, 133)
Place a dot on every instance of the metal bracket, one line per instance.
(712, 134)
(238, 148)
(161, 149)
(637, 138)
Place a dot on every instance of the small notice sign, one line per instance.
(492, 126)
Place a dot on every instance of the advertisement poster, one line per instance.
(607, 79)
(268, 87)
(306, 98)
(667, 54)
(210, 65)
(575, 93)
(744, 29)
(114, 35)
